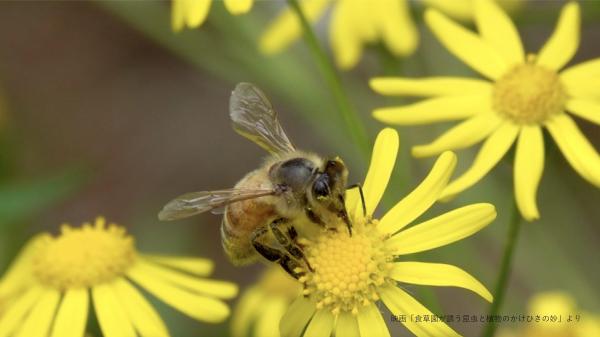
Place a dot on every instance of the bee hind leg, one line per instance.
(287, 241)
(274, 254)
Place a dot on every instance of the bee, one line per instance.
(293, 191)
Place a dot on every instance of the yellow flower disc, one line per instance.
(529, 94)
(84, 257)
(347, 269)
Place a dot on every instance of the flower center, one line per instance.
(347, 269)
(529, 93)
(83, 257)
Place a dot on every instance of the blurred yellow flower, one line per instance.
(352, 273)
(354, 23)
(525, 94)
(464, 9)
(561, 304)
(192, 13)
(50, 282)
(261, 306)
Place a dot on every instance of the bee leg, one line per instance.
(274, 254)
(290, 266)
(287, 242)
(362, 196)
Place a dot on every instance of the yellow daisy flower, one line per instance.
(192, 13)
(524, 94)
(354, 23)
(261, 306)
(352, 273)
(558, 304)
(464, 9)
(53, 278)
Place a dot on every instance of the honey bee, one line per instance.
(293, 191)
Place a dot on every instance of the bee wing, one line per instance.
(253, 117)
(194, 203)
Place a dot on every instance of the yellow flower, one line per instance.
(354, 23)
(352, 273)
(261, 306)
(192, 13)
(463, 9)
(559, 304)
(523, 95)
(49, 284)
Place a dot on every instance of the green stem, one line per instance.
(349, 114)
(505, 269)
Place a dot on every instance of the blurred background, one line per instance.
(104, 110)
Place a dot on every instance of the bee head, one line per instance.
(329, 187)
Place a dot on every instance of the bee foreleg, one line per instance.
(274, 254)
(362, 196)
(288, 242)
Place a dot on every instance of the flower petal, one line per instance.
(465, 134)
(437, 274)
(346, 43)
(296, 317)
(15, 314)
(497, 29)
(575, 147)
(111, 315)
(17, 276)
(421, 198)
(582, 80)
(371, 323)
(245, 312)
(200, 307)
(442, 230)
(321, 324)
(401, 303)
(143, 316)
(190, 13)
(564, 41)
(71, 318)
(268, 321)
(237, 7)
(587, 109)
(285, 29)
(585, 69)
(438, 109)
(192, 265)
(466, 45)
(346, 326)
(528, 168)
(383, 159)
(458, 9)
(398, 30)
(431, 86)
(494, 148)
(39, 320)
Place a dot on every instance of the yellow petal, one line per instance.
(143, 316)
(190, 13)
(398, 30)
(296, 317)
(528, 168)
(245, 312)
(497, 29)
(112, 317)
(192, 265)
(268, 321)
(587, 109)
(237, 7)
(18, 274)
(437, 274)
(494, 148)
(285, 29)
(196, 306)
(383, 159)
(465, 134)
(442, 230)
(439, 109)
(321, 324)
(71, 318)
(458, 9)
(421, 198)
(575, 147)
(345, 40)
(401, 303)
(39, 320)
(346, 326)
(564, 41)
(15, 314)
(220, 289)
(580, 71)
(467, 46)
(371, 323)
(431, 86)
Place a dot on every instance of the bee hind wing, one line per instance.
(253, 117)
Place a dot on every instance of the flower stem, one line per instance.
(348, 113)
(505, 269)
